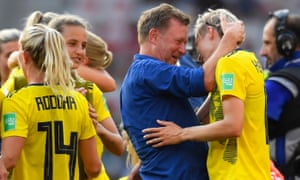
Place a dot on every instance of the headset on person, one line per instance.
(286, 40)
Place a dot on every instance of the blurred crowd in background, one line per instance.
(115, 21)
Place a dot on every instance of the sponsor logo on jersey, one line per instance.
(227, 80)
(9, 121)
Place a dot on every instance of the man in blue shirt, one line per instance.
(281, 47)
(155, 88)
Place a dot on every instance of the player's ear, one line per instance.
(25, 56)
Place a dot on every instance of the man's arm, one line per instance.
(230, 126)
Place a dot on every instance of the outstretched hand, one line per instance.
(235, 30)
(169, 133)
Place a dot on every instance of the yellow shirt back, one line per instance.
(52, 127)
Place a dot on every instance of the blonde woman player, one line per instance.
(46, 124)
(74, 31)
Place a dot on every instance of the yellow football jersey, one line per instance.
(52, 126)
(95, 96)
(247, 157)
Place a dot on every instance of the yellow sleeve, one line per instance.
(13, 121)
(99, 103)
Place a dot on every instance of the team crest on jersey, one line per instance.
(227, 80)
(9, 121)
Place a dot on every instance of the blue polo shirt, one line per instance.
(153, 90)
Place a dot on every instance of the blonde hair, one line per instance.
(97, 52)
(212, 18)
(132, 157)
(37, 17)
(47, 49)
